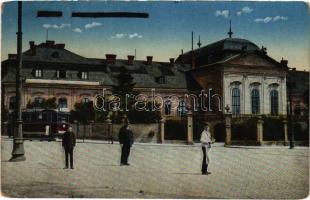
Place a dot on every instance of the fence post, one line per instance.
(190, 127)
(76, 128)
(259, 131)
(109, 126)
(84, 132)
(162, 130)
(90, 122)
(228, 129)
(285, 132)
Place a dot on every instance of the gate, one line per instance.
(176, 129)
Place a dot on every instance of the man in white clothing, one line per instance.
(205, 140)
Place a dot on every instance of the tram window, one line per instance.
(26, 117)
(40, 117)
(45, 116)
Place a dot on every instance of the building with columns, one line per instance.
(249, 83)
(239, 78)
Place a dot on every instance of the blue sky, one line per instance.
(283, 27)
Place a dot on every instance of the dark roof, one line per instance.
(219, 50)
(64, 56)
(227, 61)
(50, 58)
(229, 44)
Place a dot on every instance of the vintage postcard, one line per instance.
(155, 99)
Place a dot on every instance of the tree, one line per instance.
(83, 112)
(145, 116)
(124, 87)
(49, 103)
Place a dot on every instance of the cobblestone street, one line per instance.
(156, 171)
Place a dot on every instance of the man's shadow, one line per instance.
(187, 173)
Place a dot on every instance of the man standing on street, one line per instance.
(205, 140)
(126, 141)
(68, 143)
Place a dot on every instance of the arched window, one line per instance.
(62, 103)
(167, 107)
(182, 108)
(12, 102)
(274, 104)
(255, 101)
(235, 97)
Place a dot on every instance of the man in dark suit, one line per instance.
(126, 141)
(68, 143)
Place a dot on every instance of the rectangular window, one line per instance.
(38, 73)
(161, 80)
(61, 74)
(84, 75)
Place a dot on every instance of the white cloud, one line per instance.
(46, 25)
(134, 35)
(224, 13)
(55, 26)
(247, 9)
(77, 30)
(92, 25)
(264, 20)
(124, 35)
(276, 18)
(244, 10)
(269, 19)
(118, 36)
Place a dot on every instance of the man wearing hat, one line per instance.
(68, 143)
(126, 141)
(205, 140)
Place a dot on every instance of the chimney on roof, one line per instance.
(171, 62)
(130, 59)
(110, 59)
(12, 56)
(149, 60)
(50, 43)
(284, 63)
(32, 48)
(60, 46)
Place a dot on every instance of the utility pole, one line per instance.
(18, 153)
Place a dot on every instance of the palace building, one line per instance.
(243, 80)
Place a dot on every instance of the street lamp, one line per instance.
(291, 85)
(18, 153)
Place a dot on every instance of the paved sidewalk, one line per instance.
(156, 171)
